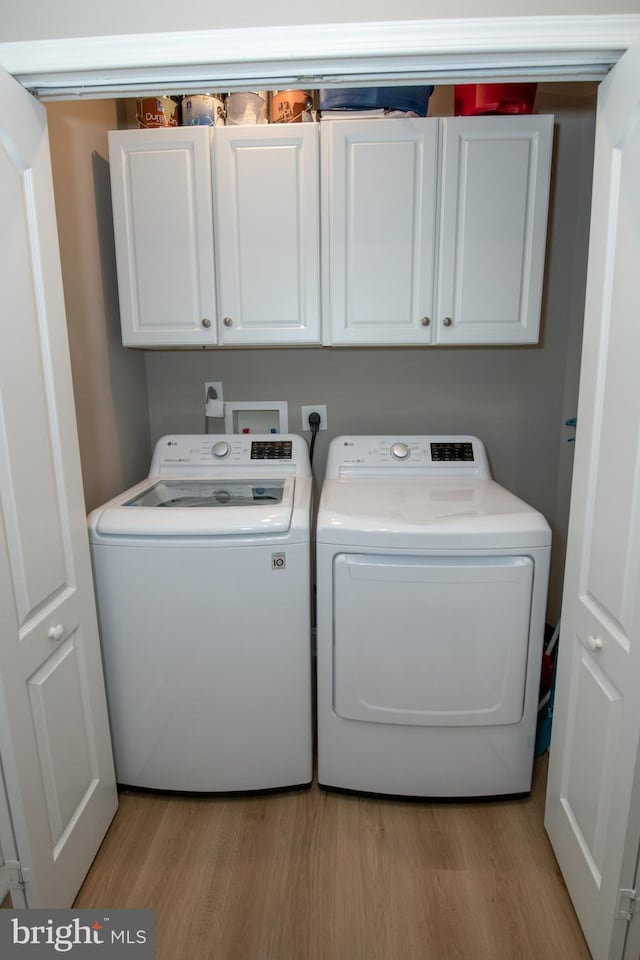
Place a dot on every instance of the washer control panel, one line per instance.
(185, 452)
(417, 456)
(271, 449)
(452, 452)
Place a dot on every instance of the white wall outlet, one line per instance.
(217, 386)
(213, 405)
(320, 408)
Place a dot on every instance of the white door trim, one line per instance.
(580, 47)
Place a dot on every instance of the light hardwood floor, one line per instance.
(314, 875)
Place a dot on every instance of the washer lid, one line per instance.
(176, 494)
(454, 513)
(199, 507)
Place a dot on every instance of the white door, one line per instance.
(597, 715)
(493, 228)
(163, 225)
(379, 210)
(267, 214)
(54, 734)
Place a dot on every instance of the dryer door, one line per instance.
(431, 640)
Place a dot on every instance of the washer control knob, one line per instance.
(400, 451)
(221, 449)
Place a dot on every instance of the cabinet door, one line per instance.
(379, 223)
(163, 223)
(495, 186)
(267, 233)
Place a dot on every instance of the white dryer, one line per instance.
(431, 594)
(202, 576)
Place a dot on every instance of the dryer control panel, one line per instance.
(409, 455)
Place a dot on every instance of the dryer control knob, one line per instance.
(221, 449)
(400, 451)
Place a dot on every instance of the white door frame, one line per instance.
(441, 51)
(445, 51)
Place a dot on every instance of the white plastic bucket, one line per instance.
(202, 110)
(247, 108)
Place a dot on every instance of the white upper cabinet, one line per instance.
(163, 224)
(425, 250)
(379, 208)
(432, 231)
(266, 212)
(493, 223)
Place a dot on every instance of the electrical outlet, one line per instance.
(213, 405)
(320, 408)
(217, 386)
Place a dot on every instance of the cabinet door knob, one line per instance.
(594, 643)
(228, 322)
(425, 321)
(56, 633)
(206, 322)
(447, 321)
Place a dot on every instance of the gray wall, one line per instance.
(108, 380)
(516, 399)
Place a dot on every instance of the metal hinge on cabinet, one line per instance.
(628, 904)
(19, 876)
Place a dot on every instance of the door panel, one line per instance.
(495, 194)
(54, 734)
(161, 192)
(28, 480)
(596, 731)
(590, 768)
(267, 233)
(379, 229)
(431, 642)
(62, 722)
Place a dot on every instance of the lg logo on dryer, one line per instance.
(278, 561)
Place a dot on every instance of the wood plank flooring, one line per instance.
(314, 875)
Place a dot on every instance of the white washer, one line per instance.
(202, 577)
(431, 593)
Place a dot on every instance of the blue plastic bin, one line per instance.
(414, 99)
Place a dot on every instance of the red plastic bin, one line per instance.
(471, 99)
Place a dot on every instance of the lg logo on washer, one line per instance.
(278, 561)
